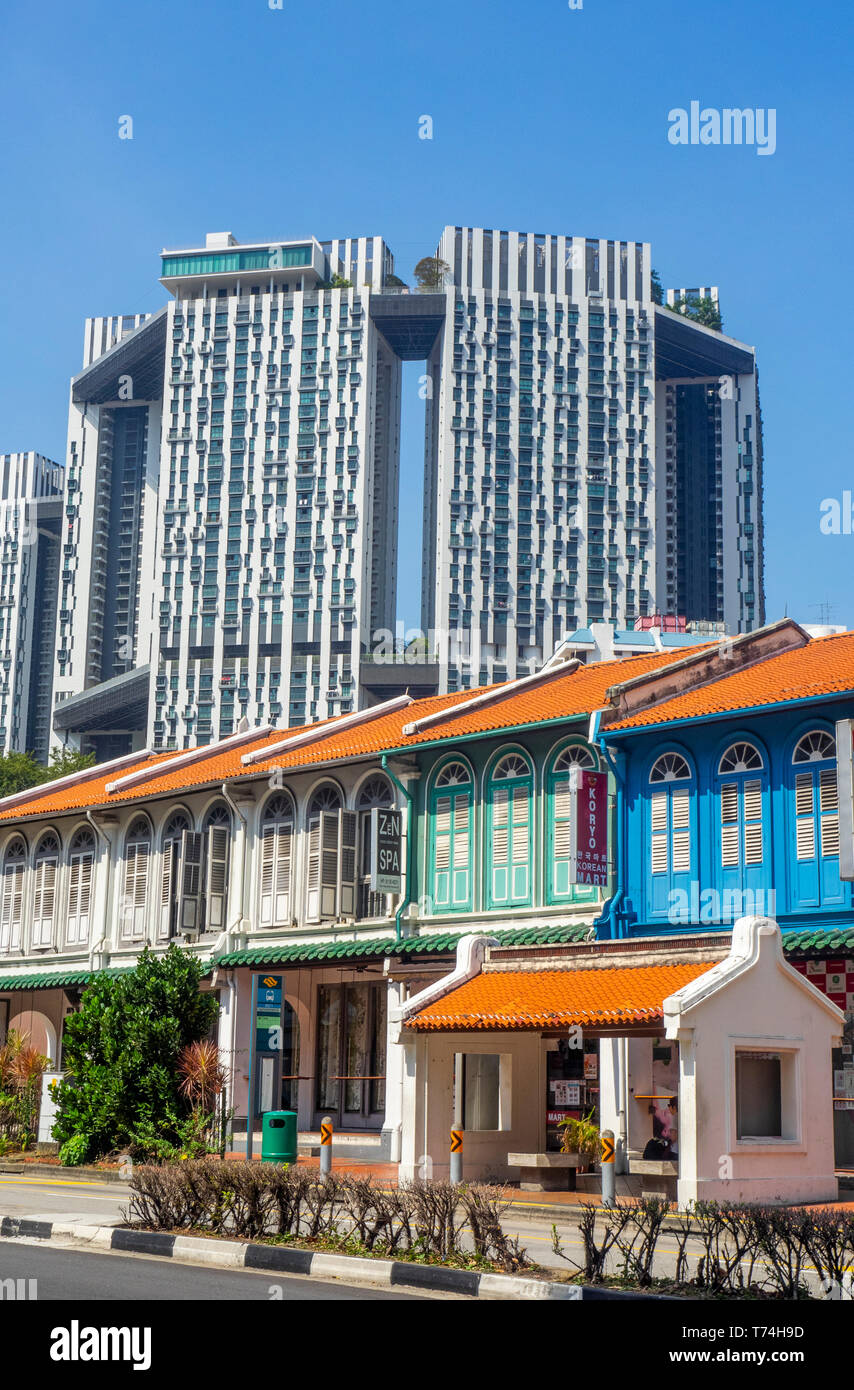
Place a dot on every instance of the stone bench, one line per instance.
(659, 1176)
(546, 1172)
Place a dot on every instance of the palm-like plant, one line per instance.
(203, 1076)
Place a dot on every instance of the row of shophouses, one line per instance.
(501, 987)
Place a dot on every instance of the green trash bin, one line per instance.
(279, 1136)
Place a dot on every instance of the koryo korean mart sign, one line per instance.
(589, 828)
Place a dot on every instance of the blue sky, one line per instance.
(304, 120)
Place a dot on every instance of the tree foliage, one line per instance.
(122, 1052)
(430, 272)
(20, 771)
(702, 310)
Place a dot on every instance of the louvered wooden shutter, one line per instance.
(521, 846)
(561, 834)
(804, 816)
(276, 845)
(347, 864)
(328, 864)
(216, 881)
(44, 901)
(753, 822)
(79, 897)
(313, 873)
(829, 812)
(135, 889)
(10, 910)
(461, 866)
(680, 813)
(191, 879)
(442, 851)
(169, 879)
(658, 821)
(501, 832)
(729, 825)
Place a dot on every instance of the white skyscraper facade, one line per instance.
(542, 446)
(30, 506)
(278, 485)
(230, 525)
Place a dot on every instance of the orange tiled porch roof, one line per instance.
(522, 1000)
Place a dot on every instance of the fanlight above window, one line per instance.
(453, 775)
(326, 798)
(278, 808)
(576, 755)
(741, 757)
(511, 766)
(816, 746)
(375, 792)
(670, 767)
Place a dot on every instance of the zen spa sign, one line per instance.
(589, 828)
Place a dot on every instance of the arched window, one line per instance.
(509, 834)
(135, 889)
(81, 870)
(559, 887)
(671, 802)
(743, 841)
(277, 837)
(450, 857)
(12, 895)
(217, 832)
(45, 870)
(814, 809)
(331, 877)
(175, 831)
(374, 795)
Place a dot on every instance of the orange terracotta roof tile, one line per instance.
(516, 1000)
(824, 666)
(572, 693)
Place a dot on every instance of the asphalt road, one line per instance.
(85, 1277)
(100, 1203)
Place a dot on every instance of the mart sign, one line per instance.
(588, 861)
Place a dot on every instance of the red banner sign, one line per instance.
(589, 851)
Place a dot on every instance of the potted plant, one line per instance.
(580, 1137)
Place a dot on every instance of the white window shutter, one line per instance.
(753, 849)
(168, 882)
(44, 901)
(268, 874)
(313, 873)
(216, 881)
(10, 910)
(347, 863)
(829, 806)
(804, 818)
(79, 897)
(658, 821)
(282, 875)
(328, 864)
(191, 879)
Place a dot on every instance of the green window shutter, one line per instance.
(561, 836)
(462, 850)
(451, 836)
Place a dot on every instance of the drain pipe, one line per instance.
(410, 839)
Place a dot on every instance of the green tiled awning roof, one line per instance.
(54, 979)
(818, 942)
(443, 943)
